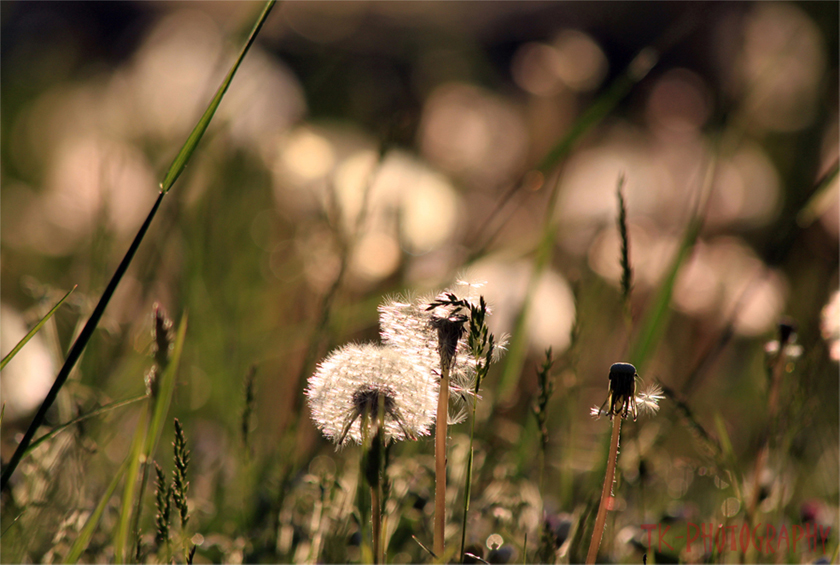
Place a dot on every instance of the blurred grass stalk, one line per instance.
(172, 174)
(145, 439)
(638, 68)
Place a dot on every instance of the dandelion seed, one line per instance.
(352, 382)
(648, 399)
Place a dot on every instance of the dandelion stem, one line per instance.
(364, 463)
(606, 494)
(376, 467)
(440, 462)
(376, 519)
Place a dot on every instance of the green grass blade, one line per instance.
(515, 357)
(86, 534)
(638, 68)
(101, 410)
(602, 106)
(820, 199)
(728, 455)
(34, 330)
(656, 318)
(180, 162)
(134, 460)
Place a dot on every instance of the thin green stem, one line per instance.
(468, 486)
(363, 493)
(376, 521)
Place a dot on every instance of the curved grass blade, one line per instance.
(101, 410)
(638, 68)
(134, 460)
(87, 332)
(86, 534)
(180, 162)
(654, 322)
(34, 330)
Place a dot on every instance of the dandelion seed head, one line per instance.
(352, 382)
(408, 324)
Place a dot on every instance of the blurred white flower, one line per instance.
(830, 325)
(348, 386)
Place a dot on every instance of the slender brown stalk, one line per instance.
(606, 494)
(440, 462)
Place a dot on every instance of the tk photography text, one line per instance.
(764, 538)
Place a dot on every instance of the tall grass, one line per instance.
(248, 478)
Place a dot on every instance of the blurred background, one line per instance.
(372, 148)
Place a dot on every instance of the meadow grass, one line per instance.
(527, 478)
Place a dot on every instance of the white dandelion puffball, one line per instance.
(353, 381)
(409, 326)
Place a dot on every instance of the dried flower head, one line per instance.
(353, 382)
(623, 399)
